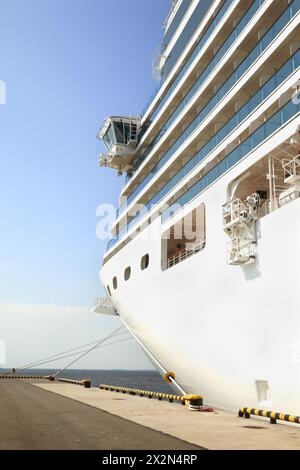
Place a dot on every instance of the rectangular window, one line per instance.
(184, 239)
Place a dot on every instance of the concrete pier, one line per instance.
(47, 415)
(214, 431)
(33, 418)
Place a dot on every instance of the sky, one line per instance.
(66, 65)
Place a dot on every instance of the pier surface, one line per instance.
(215, 431)
(41, 415)
(36, 419)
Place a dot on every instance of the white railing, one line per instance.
(103, 302)
(170, 14)
(291, 168)
(184, 254)
(232, 212)
(104, 306)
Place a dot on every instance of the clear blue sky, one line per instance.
(67, 64)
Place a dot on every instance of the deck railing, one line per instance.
(103, 302)
(291, 168)
(184, 254)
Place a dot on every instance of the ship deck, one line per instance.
(43, 415)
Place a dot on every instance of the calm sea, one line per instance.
(146, 380)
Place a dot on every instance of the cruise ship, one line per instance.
(203, 265)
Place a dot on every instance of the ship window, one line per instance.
(184, 239)
(127, 273)
(144, 262)
(106, 142)
(126, 133)
(115, 283)
(122, 132)
(119, 130)
(108, 290)
(110, 136)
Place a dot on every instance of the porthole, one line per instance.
(127, 273)
(108, 290)
(115, 283)
(144, 262)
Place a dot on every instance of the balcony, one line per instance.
(215, 100)
(104, 306)
(237, 119)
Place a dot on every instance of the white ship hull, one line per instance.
(222, 329)
(229, 331)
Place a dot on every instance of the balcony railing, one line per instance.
(279, 119)
(199, 45)
(291, 170)
(176, 20)
(243, 68)
(103, 302)
(291, 65)
(263, 94)
(104, 306)
(201, 79)
(278, 78)
(184, 254)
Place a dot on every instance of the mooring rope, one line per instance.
(56, 356)
(63, 355)
(75, 354)
(153, 359)
(89, 350)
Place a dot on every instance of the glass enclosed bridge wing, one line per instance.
(120, 137)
